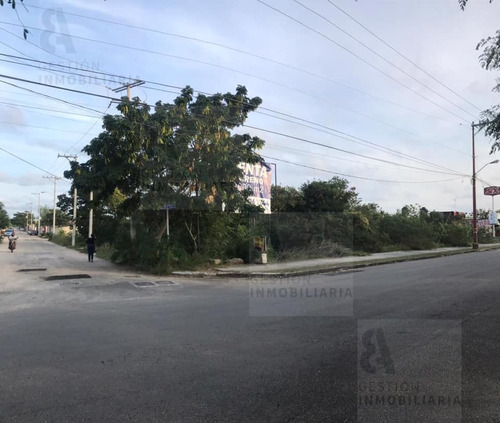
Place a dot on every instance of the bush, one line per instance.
(457, 235)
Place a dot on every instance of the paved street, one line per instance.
(413, 341)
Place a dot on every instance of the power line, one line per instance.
(262, 129)
(362, 141)
(402, 55)
(384, 59)
(237, 50)
(363, 60)
(346, 151)
(361, 114)
(262, 108)
(25, 106)
(324, 156)
(360, 177)
(31, 164)
(50, 97)
(40, 127)
(239, 72)
(107, 97)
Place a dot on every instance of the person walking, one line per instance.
(91, 246)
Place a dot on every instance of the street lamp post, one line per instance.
(475, 243)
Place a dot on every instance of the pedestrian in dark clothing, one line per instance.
(91, 246)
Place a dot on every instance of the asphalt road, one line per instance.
(414, 341)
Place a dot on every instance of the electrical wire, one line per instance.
(384, 59)
(360, 177)
(240, 51)
(363, 60)
(402, 55)
(31, 164)
(346, 151)
(261, 108)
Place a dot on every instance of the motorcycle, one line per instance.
(12, 245)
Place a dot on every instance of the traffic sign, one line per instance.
(492, 191)
(169, 206)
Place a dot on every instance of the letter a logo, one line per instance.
(56, 33)
(382, 359)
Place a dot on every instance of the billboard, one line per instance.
(257, 177)
(492, 191)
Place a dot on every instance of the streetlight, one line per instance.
(475, 243)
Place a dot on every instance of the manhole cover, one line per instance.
(41, 269)
(141, 284)
(165, 283)
(70, 283)
(63, 277)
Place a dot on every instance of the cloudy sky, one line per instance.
(388, 88)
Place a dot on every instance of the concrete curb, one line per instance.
(349, 266)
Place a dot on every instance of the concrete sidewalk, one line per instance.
(334, 264)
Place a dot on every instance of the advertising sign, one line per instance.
(257, 177)
(493, 218)
(492, 191)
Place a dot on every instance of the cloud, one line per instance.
(24, 180)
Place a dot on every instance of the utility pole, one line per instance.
(475, 244)
(39, 217)
(55, 179)
(127, 87)
(73, 235)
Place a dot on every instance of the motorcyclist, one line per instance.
(12, 242)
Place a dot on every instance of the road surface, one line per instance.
(413, 341)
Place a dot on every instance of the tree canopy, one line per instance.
(490, 60)
(4, 217)
(181, 153)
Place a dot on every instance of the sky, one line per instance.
(388, 88)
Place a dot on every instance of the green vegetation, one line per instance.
(186, 153)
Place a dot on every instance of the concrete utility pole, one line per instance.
(118, 90)
(73, 235)
(55, 179)
(39, 217)
(475, 242)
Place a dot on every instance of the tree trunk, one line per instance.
(195, 243)
(161, 230)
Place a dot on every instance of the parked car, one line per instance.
(9, 232)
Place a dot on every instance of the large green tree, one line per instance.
(182, 152)
(4, 217)
(329, 196)
(62, 218)
(19, 219)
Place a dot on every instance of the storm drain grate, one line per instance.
(63, 277)
(41, 269)
(142, 284)
(165, 283)
(70, 283)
